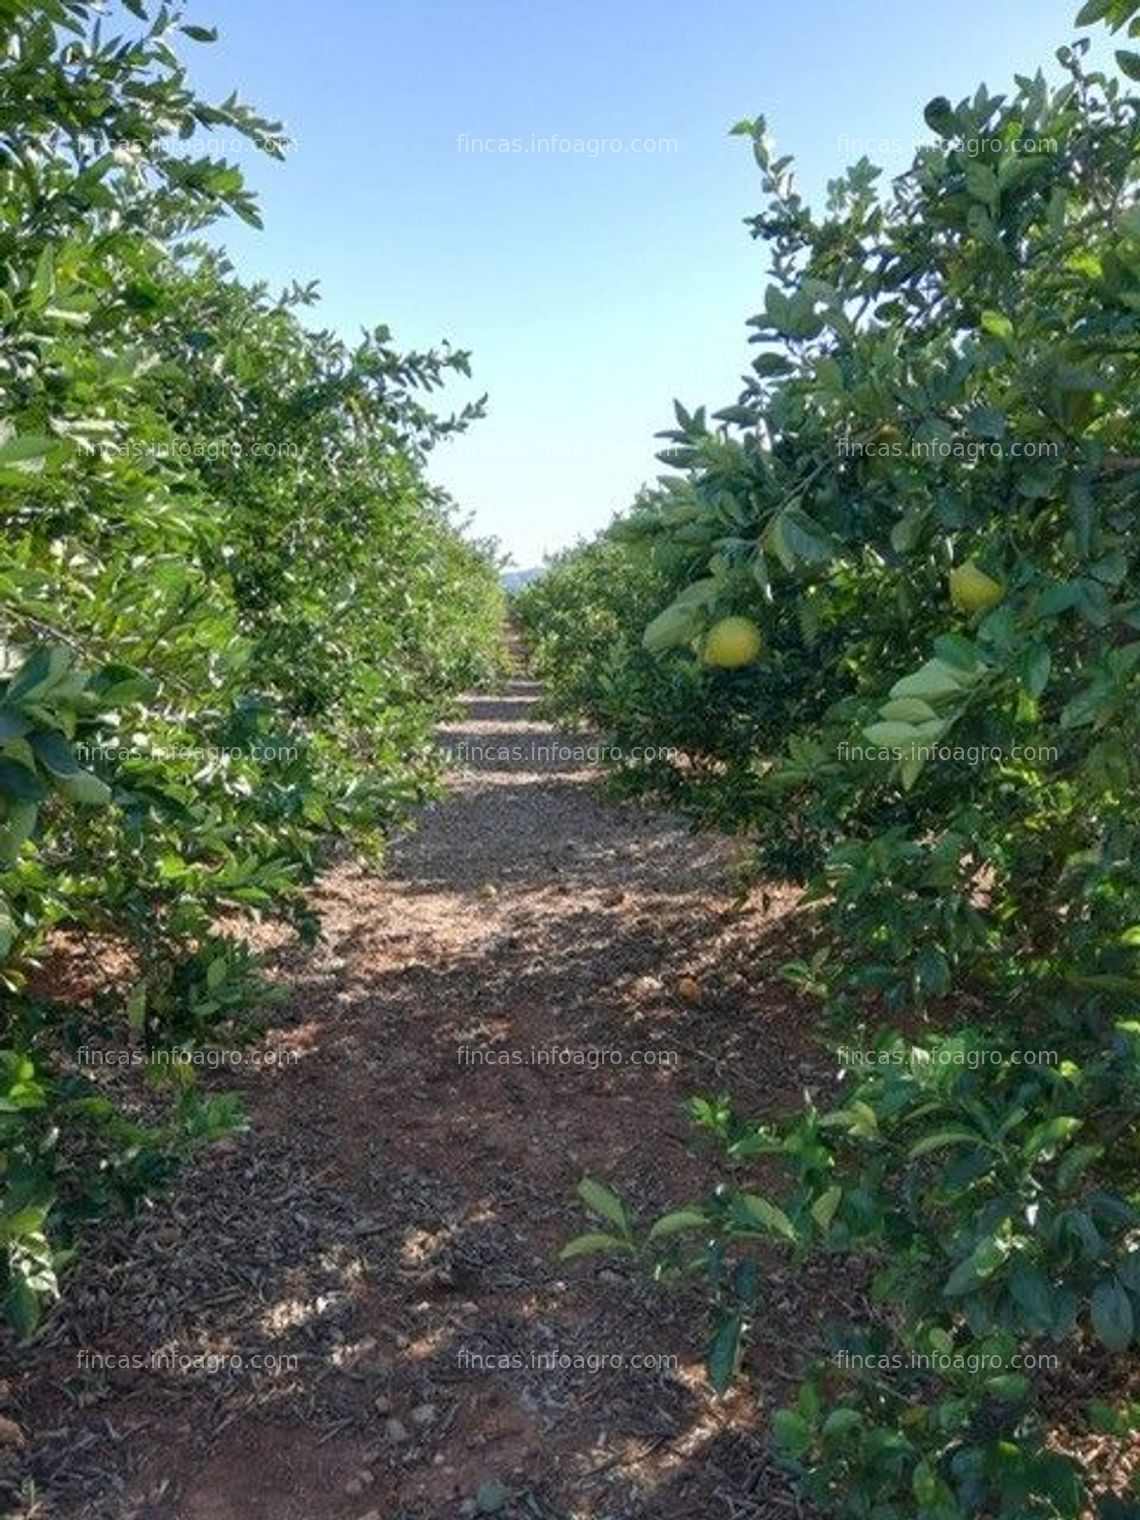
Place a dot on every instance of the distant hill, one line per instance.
(515, 580)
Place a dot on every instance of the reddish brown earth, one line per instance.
(381, 1248)
(391, 1222)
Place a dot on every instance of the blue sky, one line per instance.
(592, 290)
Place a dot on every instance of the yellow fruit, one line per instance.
(880, 453)
(972, 590)
(731, 643)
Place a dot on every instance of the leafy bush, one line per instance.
(232, 607)
(926, 500)
(583, 622)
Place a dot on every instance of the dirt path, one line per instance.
(392, 1223)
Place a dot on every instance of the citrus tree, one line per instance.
(231, 607)
(905, 558)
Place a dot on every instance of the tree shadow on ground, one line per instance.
(395, 1222)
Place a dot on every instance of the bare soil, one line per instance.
(527, 995)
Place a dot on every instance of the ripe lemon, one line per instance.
(731, 643)
(972, 590)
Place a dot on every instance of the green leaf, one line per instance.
(1075, 1163)
(681, 1219)
(932, 971)
(791, 1431)
(930, 682)
(22, 1307)
(85, 789)
(678, 624)
(766, 1214)
(602, 1201)
(1105, 1419)
(1065, 1307)
(1049, 1135)
(1129, 63)
(17, 781)
(7, 928)
(964, 1279)
(841, 1422)
(911, 767)
(808, 1402)
(987, 421)
(1092, 703)
(858, 1119)
(724, 1352)
(587, 1244)
(702, 593)
(1031, 1292)
(907, 532)
(1112, 1314)
(27, 449)
(995, 322)
(42, 287)
(940, 117)
(970, 1273)
(824, 1207)
(16, 830)
(924, 1483)
(797, 539)
(55, 754)
(771, 364)
(942, 1138)
(13, 725)
(38, 674)
(891, 735)
(957, 652)
(907, 710)
(1036, 668)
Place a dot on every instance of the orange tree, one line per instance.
(925, 500)
(231, 607)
